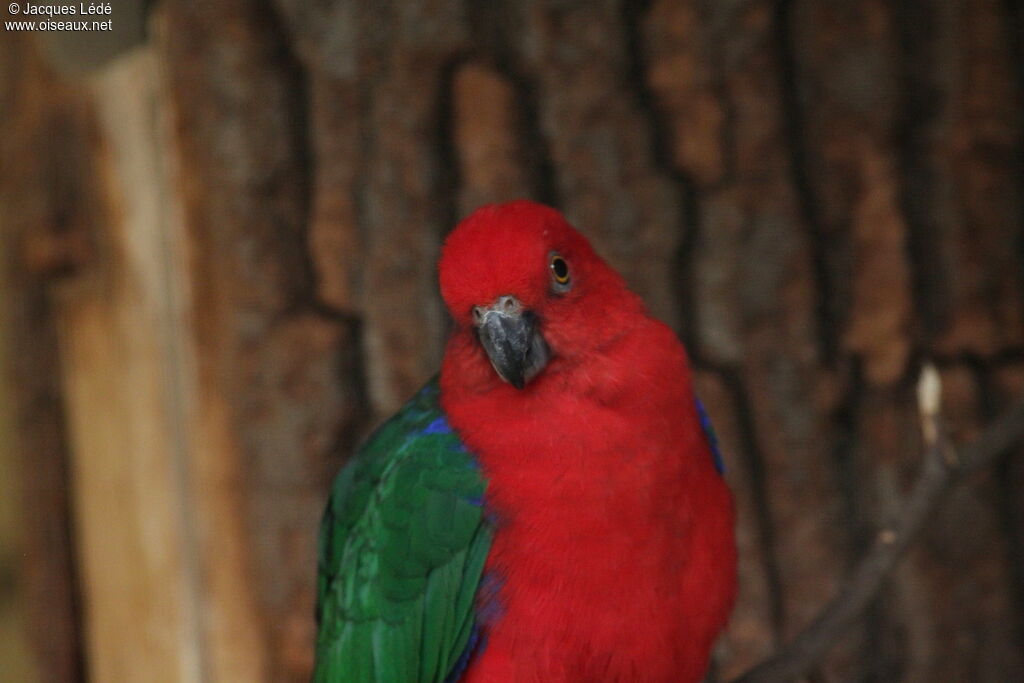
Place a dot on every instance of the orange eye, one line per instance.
(559, 270)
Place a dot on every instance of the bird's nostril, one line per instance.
(478, 314)
(508, 304)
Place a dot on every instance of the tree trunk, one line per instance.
(219, 243)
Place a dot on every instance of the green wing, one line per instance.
(402, 549)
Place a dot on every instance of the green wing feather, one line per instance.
(402, 548)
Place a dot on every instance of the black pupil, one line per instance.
(561, 268)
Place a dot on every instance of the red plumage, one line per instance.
(614, 553)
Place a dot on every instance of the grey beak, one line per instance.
(512, 340)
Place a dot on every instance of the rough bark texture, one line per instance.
(45, 198)
(816, 195)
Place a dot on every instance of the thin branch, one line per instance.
(942, 468)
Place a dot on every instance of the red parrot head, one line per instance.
(530, 288)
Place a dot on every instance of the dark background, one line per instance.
(218, 231)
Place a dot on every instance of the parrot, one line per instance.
(550, 507)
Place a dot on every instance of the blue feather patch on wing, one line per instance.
(476, 643)
(488, 598)
(709, 432)
(438, 426)
(488, 611)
